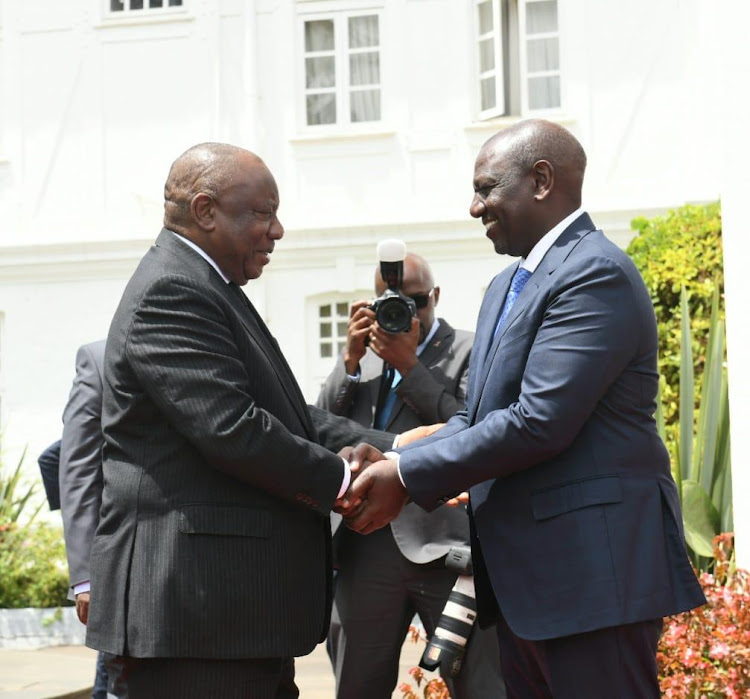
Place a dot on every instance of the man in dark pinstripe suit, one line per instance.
(210, 568)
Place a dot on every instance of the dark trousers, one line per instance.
(199, 678)
(613, 663)
(378, 591)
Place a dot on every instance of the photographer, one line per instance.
(397, 381)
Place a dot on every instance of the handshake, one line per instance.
(376, 494)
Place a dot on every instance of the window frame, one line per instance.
(142, 13)
(343, 87)
(515, 64)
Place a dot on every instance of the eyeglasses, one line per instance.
(421, 300)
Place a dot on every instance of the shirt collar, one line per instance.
(430, 335)
(547, 241)
(203, 254)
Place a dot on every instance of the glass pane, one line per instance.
(364, 69)
(136, 4)
(116, 6)
(544, 93)
(320, 71)
(341, 329)
(543, 54)
(319, 35)
(175, 3)
(363, 32)
(486, 55)
(321, 109)
(489, 98)
(155, 3)
(340, 347)
(325, 330)
(342, 310)
(326, 350)
(365, 105)
(485, 17)
(541, 17)
(325, 311)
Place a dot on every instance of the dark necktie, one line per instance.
(385, 405)
(516, 285)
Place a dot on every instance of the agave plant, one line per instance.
(14, 500)
(702, 465)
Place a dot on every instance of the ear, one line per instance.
(436, 295)
(203, 209)
(544, 179)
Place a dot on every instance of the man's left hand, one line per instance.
(398, 349)
(382, 497)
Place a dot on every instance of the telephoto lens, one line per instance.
(447, 646)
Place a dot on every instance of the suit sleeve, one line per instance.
(338, 391)
(428, 397)
(588, 335)
(81, 465)
(184, 354)
(336, 432)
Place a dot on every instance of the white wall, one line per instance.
(94, 110)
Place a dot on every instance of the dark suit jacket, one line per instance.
(576, 515)
(49, 467)
(214, 537)
(81, 460)
(433, 391)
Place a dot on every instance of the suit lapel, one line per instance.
(438, 344)
(488, 315)
(270, 347)
(554, 257)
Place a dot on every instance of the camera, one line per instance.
(393, 310)
(447, 646)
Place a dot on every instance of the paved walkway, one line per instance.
(65, 672)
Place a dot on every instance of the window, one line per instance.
(342, 69)
(333, 320)
(518, 56)
(133, 5)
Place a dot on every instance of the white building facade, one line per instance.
(368, 112)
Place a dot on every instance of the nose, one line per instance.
(276, 231)
(477, 207)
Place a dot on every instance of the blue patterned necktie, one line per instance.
(516, 285)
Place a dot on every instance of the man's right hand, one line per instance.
(82, 606)
(360, 320)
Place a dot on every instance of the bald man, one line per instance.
(211, 567)
(388, 577)
(576, 525)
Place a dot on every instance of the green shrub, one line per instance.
(33, 569)
(682, 248)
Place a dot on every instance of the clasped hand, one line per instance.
(376, 495)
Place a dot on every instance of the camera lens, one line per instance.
(394, 315)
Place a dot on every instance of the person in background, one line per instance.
(388, 576)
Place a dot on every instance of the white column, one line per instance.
(734, 123)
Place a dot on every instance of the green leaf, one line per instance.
(686, 390)
(700, 517)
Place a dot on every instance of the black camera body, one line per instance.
(393, 310)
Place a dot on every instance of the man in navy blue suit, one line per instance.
(576, 528)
